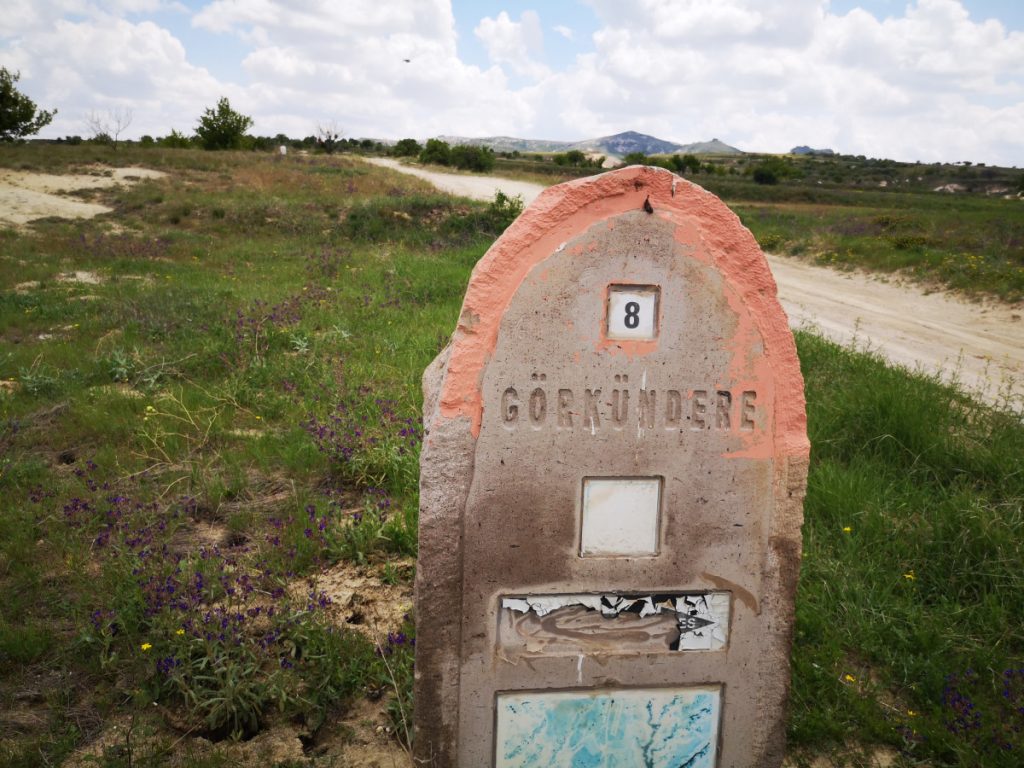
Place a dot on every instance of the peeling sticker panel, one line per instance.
(588, 623)
(654, 727)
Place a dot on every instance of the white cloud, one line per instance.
(342, 61)
(25, 17)
(564, 31)
(102, 62)
(769, 75)
(346, 61)
(703, 23)
(926, 82)
(330, 24)
(515, 44)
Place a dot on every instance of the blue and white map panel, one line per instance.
(652, 727)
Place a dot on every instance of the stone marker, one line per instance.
(611, 492)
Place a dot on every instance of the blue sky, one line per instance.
(911, 79)
(1009, 12)
(559, 50)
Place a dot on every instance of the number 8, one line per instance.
(632, 314)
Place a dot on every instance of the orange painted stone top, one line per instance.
(563, 211)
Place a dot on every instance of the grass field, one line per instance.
(210, 414)
(832, 211)
(969, 243)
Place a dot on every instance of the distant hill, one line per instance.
(805, 150)
(621, 144)
(510, 144)
(618, 146)
(713, 147)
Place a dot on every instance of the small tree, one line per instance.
(107, 129)
(328, 136)
(575, 158)
(406, 148)
(436, 151)
(687, 162)
(18, 114)
(222, 128)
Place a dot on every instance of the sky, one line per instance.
(928, 80)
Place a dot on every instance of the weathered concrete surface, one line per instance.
(532, 397)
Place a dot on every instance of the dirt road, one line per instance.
(980, 344)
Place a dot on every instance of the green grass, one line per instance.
(235, 311)
(834, 211)
(911, 577)
(233, 411)
(971, 244)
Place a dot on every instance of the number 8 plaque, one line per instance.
(633, 312)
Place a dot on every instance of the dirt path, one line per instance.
(27, 196)
(979, 344)
(476, 187)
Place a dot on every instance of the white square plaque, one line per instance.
(633, 312)
(620, 516)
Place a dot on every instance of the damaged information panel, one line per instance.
(611, 492)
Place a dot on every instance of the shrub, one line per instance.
(406, 148)
(573, 157)
(437, 152)
(773, 169)
(687, 162)
(176, 140)
(471, 158)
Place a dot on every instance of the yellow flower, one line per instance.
(911, 713)
(146, 646)
(849, 678)
(909, 575)
(847, 529)
(179, 632)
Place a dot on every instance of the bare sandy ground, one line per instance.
(27, 196)
(978, 344)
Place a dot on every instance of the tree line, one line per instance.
(221, 127)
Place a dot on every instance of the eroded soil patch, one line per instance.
(26, 196)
